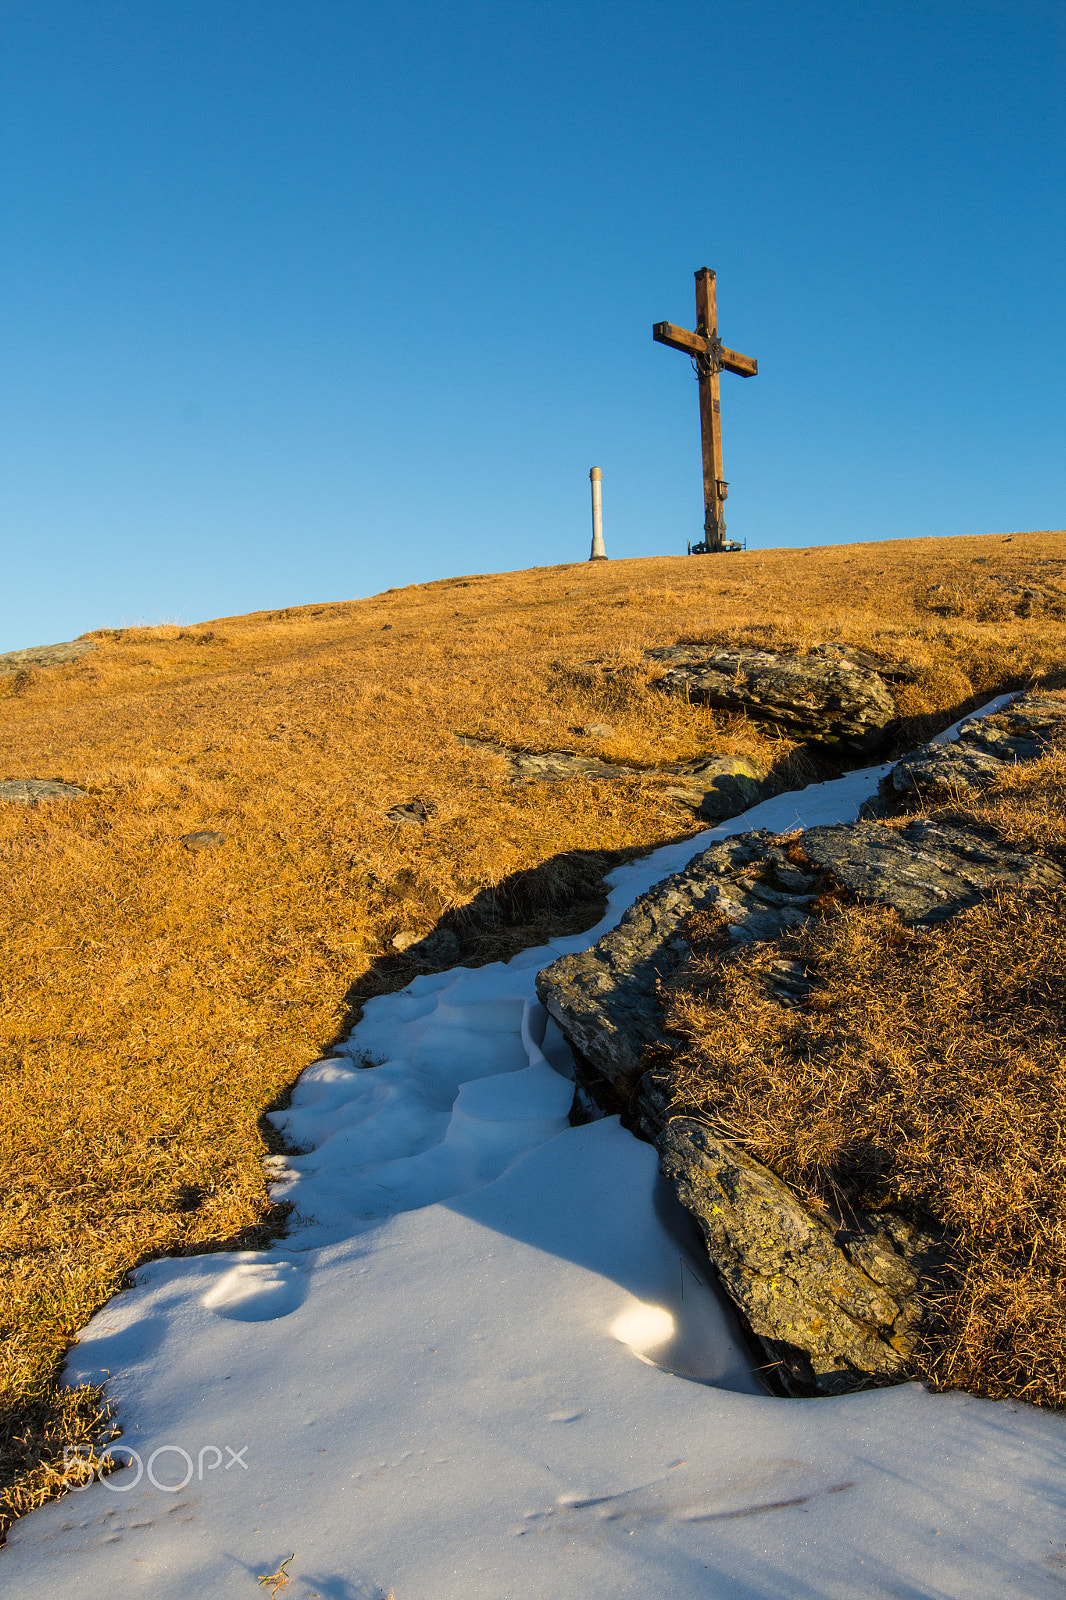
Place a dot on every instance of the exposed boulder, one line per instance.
(944, 769)
(728, 785)
(828, 699)
(834, 1309)
(32, 791)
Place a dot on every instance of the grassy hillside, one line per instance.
(156, 999)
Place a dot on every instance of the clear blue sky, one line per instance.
(301, 299)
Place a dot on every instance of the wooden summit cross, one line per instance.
(709, 355)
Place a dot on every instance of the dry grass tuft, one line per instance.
(156, 1001)
(926, 1074)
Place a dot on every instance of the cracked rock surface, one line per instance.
(827, 698)
(927, 871)
(549, 765)
(715, 786)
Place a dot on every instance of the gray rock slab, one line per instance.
(548, 766)
(716, 787)
(927, 871)
(944, 769)
(1022, 732)
(44, 655)
(831, 701)
(32, 791)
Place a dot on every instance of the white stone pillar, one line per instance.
(598, 551)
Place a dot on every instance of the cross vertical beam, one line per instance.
(709, 355)
(715, 487)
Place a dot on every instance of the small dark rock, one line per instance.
(415, 814)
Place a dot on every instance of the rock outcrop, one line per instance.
(43, 655)
(834, 1307)
(714, 786)
(926, 871)
(826, 697)
(548, 766)
(606, 999)
(724, 785)
(1021, 732)
(32, 791)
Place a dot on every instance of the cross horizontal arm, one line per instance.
(747, 366)
(693, 344)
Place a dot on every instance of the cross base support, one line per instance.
(724, 548)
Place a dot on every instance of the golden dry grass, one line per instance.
(926, 1074)
(156, 1001)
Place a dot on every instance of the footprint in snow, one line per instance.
(257, 1291)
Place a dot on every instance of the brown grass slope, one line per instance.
(156, 1001)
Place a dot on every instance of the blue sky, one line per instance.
(301, 299)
